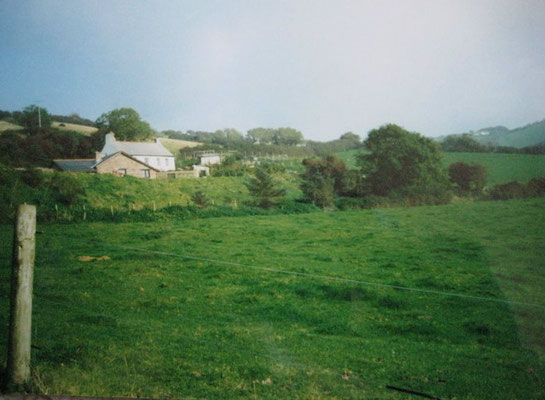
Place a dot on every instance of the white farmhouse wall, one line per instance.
(159, 162)
(211, 160)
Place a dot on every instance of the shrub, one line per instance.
(323, 179)
(536, 187)
(511, 190)
(33, 177)
(469, 178)
(200, 199)
(67, 189)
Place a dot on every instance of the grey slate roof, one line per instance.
(82, 165)
(126, 155)
(142, 148)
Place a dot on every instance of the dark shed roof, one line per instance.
(82, 165)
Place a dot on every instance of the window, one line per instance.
(158, 161)
(145, 173)
(146, 160)
(122, 171)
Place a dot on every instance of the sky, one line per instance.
(323, 67)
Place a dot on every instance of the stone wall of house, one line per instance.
(123, 165)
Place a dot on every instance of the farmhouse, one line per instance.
(139, 159)
(119, 163)
(153, 153)
(122, 164)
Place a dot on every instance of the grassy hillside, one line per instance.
(105, 190)
(215, 325)
(175, 145)
(6, 126)
(529, 135)
(501, 168)
(83, 129)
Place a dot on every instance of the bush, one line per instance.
(67, 189)
(469, 178)
(200, 199)
(33, 177)
(536, 187)
(506, 191)
(323, 179)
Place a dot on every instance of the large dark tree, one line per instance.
(403, 162)
(125, 123)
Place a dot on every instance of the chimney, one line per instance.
(109, 138)
(98, 156)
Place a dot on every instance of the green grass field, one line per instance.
(153, 324)
(174, 145)
(5, 126)
(83, 129)
(502, 168)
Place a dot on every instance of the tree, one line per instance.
(264, 189)
(351, 136)
(260, 135)
(464, 143)
(469, 178)
(323, 179)
(287, 136)
(403, 162)
(35, 119)
(125, 123)
(199, 199)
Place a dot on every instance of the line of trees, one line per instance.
(466, 143)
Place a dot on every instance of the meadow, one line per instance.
(293, 307)
(66, 126)
(502, 168)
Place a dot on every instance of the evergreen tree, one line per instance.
(264, 189)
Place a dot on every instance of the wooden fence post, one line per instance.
(22, 272)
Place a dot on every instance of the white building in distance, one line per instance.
(153, 153)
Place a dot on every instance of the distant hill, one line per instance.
(66, 126)
(529, 135)
(7, 126)
(174, 145)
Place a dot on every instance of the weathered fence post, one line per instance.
(22, 272)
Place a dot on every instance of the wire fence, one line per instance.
(307, 275)
(345, 375)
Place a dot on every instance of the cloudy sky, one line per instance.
(323, 67)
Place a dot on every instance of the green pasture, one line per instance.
(223, 322)
(502, 168)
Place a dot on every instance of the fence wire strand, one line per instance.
(310, 275)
